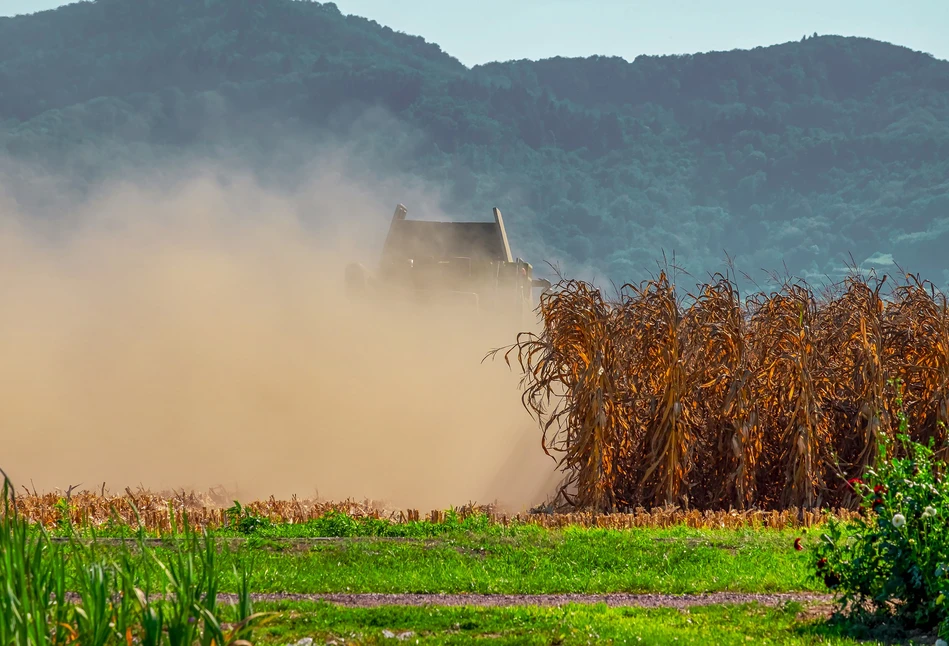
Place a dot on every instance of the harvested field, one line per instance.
(159, 512)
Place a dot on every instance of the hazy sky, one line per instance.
(477, 31)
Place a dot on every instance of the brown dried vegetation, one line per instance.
(160, 512)
(769, 402)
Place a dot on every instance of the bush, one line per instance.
(892, 563)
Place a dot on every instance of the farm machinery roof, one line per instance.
(466, 264)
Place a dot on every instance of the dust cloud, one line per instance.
(193, 333)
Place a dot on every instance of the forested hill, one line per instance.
(797, 154)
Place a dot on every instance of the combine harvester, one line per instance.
(456, 265)
(456, 288)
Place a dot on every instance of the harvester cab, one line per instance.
(468, 264)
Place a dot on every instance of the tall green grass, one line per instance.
(74, 592)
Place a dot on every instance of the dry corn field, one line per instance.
(157, 511)
(772, 401)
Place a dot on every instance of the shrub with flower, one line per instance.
(892, 563)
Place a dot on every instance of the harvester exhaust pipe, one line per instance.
(503, 233)
(398, 216)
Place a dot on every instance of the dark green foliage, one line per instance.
(797, 154)
(244, 521)
(891, 566)
(340, 525)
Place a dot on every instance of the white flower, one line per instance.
(941, 642)
(929, 511)
(899, 520)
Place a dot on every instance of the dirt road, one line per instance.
(369, 600)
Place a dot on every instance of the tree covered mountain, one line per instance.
(793, 155)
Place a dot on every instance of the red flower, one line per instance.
(797, 544)
(853, 482)
(879, 489)
(821, 564)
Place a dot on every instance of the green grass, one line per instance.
(473, 555)
(455, 556)
(562, 561)
(574, 624)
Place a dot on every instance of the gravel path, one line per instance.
(485, 600)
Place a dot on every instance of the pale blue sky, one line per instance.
(477, 31)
